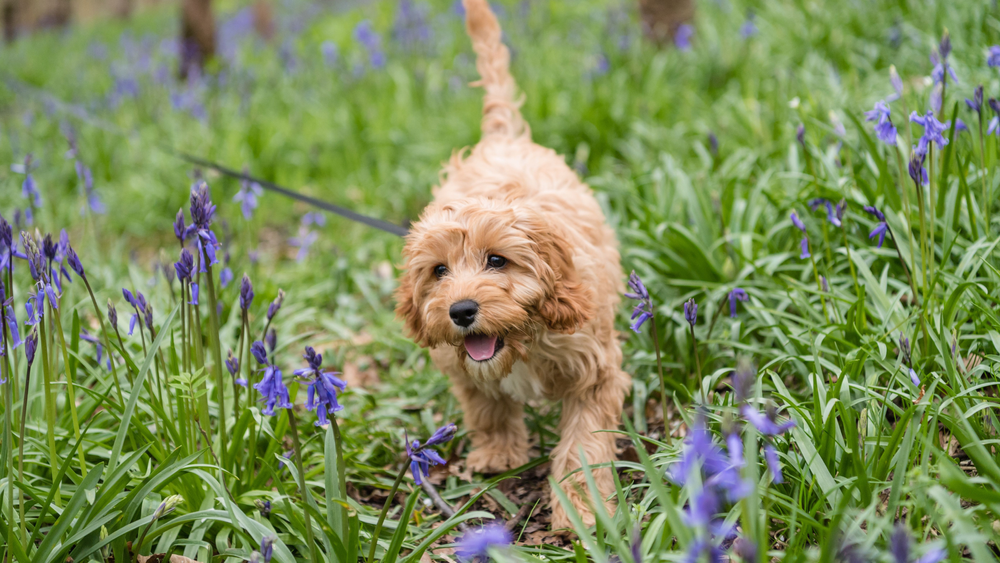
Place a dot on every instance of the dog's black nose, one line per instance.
(464, 312)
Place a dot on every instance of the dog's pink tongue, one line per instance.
(480, 347)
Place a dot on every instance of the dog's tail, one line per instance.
(501, 115)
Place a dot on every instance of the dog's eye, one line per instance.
(496, 261)
(440, 271)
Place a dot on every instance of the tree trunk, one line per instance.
(123, 9)
(661, 18)
(8, 11)
(197, 36)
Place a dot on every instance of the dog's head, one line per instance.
(484, 276)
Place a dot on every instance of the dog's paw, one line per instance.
(495, 460)
(560, 522)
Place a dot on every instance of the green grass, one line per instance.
(869, 447)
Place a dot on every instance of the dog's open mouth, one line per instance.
(482, 347)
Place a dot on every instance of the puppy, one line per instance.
(512, 279)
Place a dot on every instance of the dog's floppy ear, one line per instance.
(567, 304)
(407, 309)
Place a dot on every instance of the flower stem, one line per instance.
(20, 456)
(906, 210)
(982, 162)
(8, 376)
(850, 262)
(213, 329)
(50, 400)
(663, 381)
(107, 341)
(819, 285)
(697, 361)
(313, 551)
(385, 511)
(933, 209)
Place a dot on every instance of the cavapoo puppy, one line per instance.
(512, 279)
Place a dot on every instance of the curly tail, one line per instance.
(501, 115)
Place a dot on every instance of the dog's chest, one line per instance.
(522, 384)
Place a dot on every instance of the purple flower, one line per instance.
(937, 92)
(718, 470)
(226, 276)
(29, 190)
(247, 196)
(271, 339)
(749, 28)
(74, 262)
(275, 305)
(735, 295)
(194, 295)
(475, 544)
(305, 239)
(960, 125)
(246, 293)
(30, 346)
(273, 391)
(771, 456)
(267, 548)
(993, 58)
(976, 103)
(421, 458)
(897, 84)
(185, 265)
(180, 231)
(798, 222)
(682, 37)
(691, 312)
(804, 246)
(940, 61)
(880, 113)
(330, 53)
(800, 135)
(372, 42)
(259, 352)
(743, 379)
(932, 130)
(914, 378)
(202, 212)
(899, 546)
(112, 314)
(917, 170)
(879, 231)
(767, 423)
(323, 386)
(644, 309)
(442, 435)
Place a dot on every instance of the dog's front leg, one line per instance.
(494, 420)
(584, 416)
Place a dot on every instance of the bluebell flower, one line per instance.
(30, 346)
(884, 129)
(271, 339)
(800, 135)
(273, 391)
(247, 196)
(766, 424)
(682, 37)
(899, 547)
(259, 352)
(29, 190)
(112, 314)
(914, 378)
(960, 125)
(897, 84)
(749, 28)
(976, 102)
(879, 113)
(644, 308)
(993, 58)
(713, 143)
(411, 28)
(994, 124)
(917, 170)
(185, 265)
(303, 241)
(937, 93)
(804, 247)
(939, 59)
(323, 386)
(202, 212)
(735, 295)
(194, 295)
(703, 546)
(267, 548)
(691, 312)
(932, 130)
(719, 471)
(798, 222)
(366, 35)
(421, 458)
(773, 464)
(475, 544)
(275, 305)
(742, 381)
(246, 293)
(330, 53)
(11, 320)
(264, 506)
(225, 276)
(74, 262)
(180, 230)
